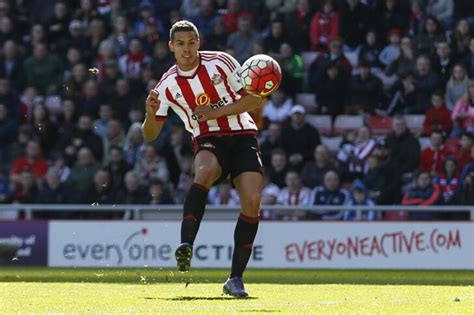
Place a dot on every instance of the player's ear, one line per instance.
(171, 46)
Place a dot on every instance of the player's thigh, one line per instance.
(206, 167)
(249, 186)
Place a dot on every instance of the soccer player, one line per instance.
(205, 91)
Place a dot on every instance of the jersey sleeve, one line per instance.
(162, 112)
(233, 72)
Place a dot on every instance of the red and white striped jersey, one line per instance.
(301, 198)
(215, 82)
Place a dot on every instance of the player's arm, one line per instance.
(151, 128)
(244, 104)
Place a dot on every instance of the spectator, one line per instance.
(134, 143)
(174, 150)
(271, 141)
(18, 111)
(44, 128)
(121, 35)
(294, 193)
(457, 86)
(130, 64)
(431, 34)
(204, 20)
(365, 91)
(405, 62)
(460, 39)
(106, 52)
(390, 16)
(233, 14)
(370, 50)
(292, 68)
(54, 191)
(375, 179)
(105, 115)
(277, 110)
(270, 194)
(97, 34)
(331, 91)
(360, 197)
(417, 18)
(468, 169)
(426, 82)
(354, 22)
(242, 41)
(463, 155)
(274, 40)
(151, 166)
(403, 146)
(330, 193)
(18, 148)
(84, 135)
(354, 157)
(297, 25)
(31, 161)
(313, 171)
(5, 193)
(324, 27)
(132, 193)
(438, 117)
(11, 66)
(123, 99)
(278, 167)
(444, 62)
(223, 194)
(432, 158)
(448, 179)
(82, 174)
(299, 139)
(115, 136)
(43, 71)
(217, 40)
(25, 188)
(425, 193)
(59, 22)
(162, 59)
(158, 195)
(464, 195)
(443, 10)
(391, 52)
(109, 80)
(463, 113)
(75, 82)
(117, 167)
(100, 192)
(8, 130)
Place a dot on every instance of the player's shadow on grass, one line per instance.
(200, 298)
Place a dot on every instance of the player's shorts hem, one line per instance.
(251, 132)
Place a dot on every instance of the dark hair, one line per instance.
(183, 26)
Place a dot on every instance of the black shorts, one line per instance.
(235, 154)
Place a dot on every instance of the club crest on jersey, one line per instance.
(203, 99)
(216, 78)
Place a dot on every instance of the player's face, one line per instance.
(185, 47)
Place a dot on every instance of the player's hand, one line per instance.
(152, 103)
(204, 113)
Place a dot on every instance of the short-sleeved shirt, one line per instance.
(215, 82)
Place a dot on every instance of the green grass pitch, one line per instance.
(156, 291)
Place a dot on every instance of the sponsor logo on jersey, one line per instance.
(203, 99)
(216, 78)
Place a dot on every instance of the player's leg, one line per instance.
(207, 171)
(249, 186)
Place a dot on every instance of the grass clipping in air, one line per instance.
(153, 291)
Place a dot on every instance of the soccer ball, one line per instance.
(260, 75)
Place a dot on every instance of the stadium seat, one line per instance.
(379, 125)
(308, 58)
(332, 143)
(321, 122)
(308, 100)
(415, 123)
(424, 142)
(346, 122)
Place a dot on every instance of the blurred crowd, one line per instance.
(74, 76)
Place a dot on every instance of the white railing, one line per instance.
(174, 212)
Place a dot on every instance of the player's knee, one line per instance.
(206, 175)
(253, 204)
